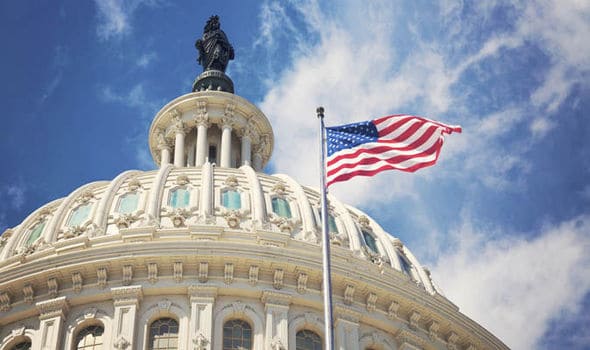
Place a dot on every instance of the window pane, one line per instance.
(90, 338)
(179, 198)
(128, 203)
(307, 340)
(405, 265)
(35, 233)
(163, 334)
(281, 207)
(79, 215)
(370, 241)
(22, 346)
(332, 228)
(231, 199)
(237, 334)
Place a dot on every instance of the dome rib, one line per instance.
(107, 200)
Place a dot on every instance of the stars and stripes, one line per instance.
(402, 142)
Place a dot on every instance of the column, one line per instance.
(226, 143)
(202, 150)
(164, 149)
(126, 301)
(276, 306)
(202, 299)
(246, 147)
(346, 328)
(52, 317)
(257, 161)
(179, 160)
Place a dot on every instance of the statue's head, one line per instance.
(212, 24)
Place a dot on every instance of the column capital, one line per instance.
(53, 308)
(162, 142)
(347, 314)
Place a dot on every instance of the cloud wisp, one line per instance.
(115, 17)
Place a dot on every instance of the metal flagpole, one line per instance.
(327, 281)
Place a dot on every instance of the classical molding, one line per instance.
(253, 275)
(271, 297)
(128, 295)
(203, 271)
(57, 307)
(228, 273)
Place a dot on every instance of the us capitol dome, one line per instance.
(208, 252)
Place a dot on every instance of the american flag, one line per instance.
(402, 142)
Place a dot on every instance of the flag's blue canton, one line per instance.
(350, 135)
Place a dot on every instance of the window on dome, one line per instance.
(332, 228)
(90, 338)
(26, 345)
(370, 241)
(35, 233)
(237, 335)
(179, 198)
(163, 334)
(281, 207)
(307, 340)
(79, 215)
(231, 199)
(405, 265)
(128, 203)
(212, 154)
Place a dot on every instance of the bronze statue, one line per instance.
(215, 51)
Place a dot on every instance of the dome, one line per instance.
(208, 253)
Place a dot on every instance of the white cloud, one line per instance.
(514, 286)
(59, 62)
(16, 195)
(144, 60)
(114, 17)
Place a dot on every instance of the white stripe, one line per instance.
(371, 167)
(385, 155)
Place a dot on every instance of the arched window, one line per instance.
(237, 335)
(281, 207)
(128, 203)
(79, 215)
(332, 228)
(370, 241)
(163, 334)
(231, 199)
(405, 265)
(307, 340)
(25, 345)
(179, 198)
(90, 338)
(35, 233)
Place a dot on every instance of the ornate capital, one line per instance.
(129, 295)
(57, 307)
(270, 297)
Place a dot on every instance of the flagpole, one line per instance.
(327, 282)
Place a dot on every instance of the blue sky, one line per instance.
(503, 220)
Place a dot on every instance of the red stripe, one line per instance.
(381, 149)
(393, 160)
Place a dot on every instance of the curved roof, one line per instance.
(202, 200)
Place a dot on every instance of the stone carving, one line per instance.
(452, 340)
(18, 331)
(302, 283)
(162, 143)
(349, 294)
(214, 48)
(392, 310)
(134, 184)
(200, 342)
(278, 279)
(203, 271)
(52, 286)
(276, 344)
(85, 197)
(228, 119)
(279, 188)
(152, 272)
(179, 217)
(231, 181)
(413, 319)
(371, 301)
(164, 304)
(127, 274)
(125, 220)
(177, 267)
(29, 293)
(433, 328)
(232, 217)
(121, 343)
(284, 224)
(228, 273)
(90, 313)
(182, 180)
(239, 307)
(253, 275)
(101, 274)
(5, 302)
(77, 282)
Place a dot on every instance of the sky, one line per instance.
(503, 219)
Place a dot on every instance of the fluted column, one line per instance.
(202, 120)
(246, 147)
(346, 332)
(226, 146)
(164, 149)
(52, 317)
(178, 128)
